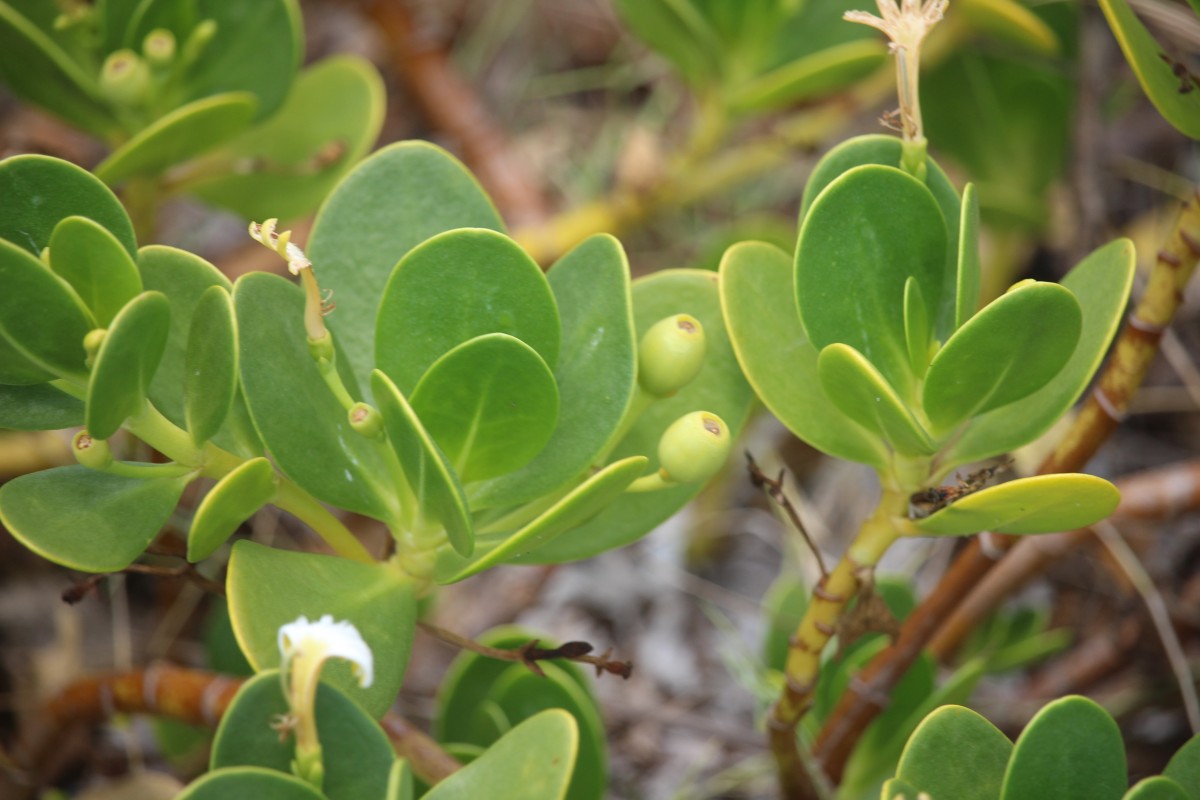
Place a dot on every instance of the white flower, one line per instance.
(264, 233)
(324, 639)
(904, 21)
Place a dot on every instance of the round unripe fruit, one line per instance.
(125, 78)
(91, 452)
(671, 354)
(366, 420)
(159, 47)
(694, 448)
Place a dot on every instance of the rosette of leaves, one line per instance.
(483, 411)
(1072, 748)
(200, 96)
(868, 345)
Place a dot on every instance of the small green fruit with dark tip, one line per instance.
(366, 420)
(694, 447)
(91, 452)
(671, 354)
(125, 79)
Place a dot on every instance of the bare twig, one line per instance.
(529, 653)
(774, 490)
(77, 592)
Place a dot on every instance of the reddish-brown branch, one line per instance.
(455, 110)
(197, 697)
(1103, 410)
(530, 654)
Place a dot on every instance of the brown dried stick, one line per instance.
(1101, 413)
(198, 697)
(529, 653)
(454, 109)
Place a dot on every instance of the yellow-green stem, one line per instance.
(294, 500)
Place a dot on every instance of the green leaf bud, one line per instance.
(197, 41)
(125, 79)
(159, 47)
(671, 354)
(694, 447)
(366, 420)
(91, 452)
(91, 344)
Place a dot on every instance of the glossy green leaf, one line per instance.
(400, 781)
(184, 278)
(126, 363)
(247, 782)
(97, 266)
(1041, 504)
(865, 235)
(328, 122)
(956, 753)
(969, 264)
(885, 150)
(719, 389)
(1011, 21)
(391, 202)
(864, 395)
(454, 287)
(1184, 767)
(210, 365)
(809, 76)
(354, 750)
(578, 506)
(182, 134)
(1156, 74)
(16, 369)
(41, 317)
(39, 407)
(88, 520)
(522, 695)
(1156, 788)
(916, 328)
(896, 789)
(438, 494)
(1071, 750)
(1101, 284)
(596, 372)
(37, 68)
(234, 499)
(533, 760)
(297, 415)
(490, 403)
(37, 192)
(1016, 345)
(759, 309)
(269, 587)
(679, 33)
(256, 49)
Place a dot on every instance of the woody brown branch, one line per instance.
(1101, 413)
(529, 654)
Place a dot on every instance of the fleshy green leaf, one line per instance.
(1041, 504)
(41, 318)
(581, 504)
(454, 287)
(809, 76)
(1009, 350)
(896, 789)
(270, 587)
(534, 759)
(969, 265)
(718, 389)
(490, 403)
(1011, 21)
(40, 407)
(679, 33)
(1156, 788)
(126, 363)
(757, 300)
(956, 753)
(865, 235)
(354, 750)
(391, 202)
(596, 372)
(97, 266)
(182, 134)
(297, 415)
(210, 365)
(400, 781)
(437, 492)
(329, 121)
(37, 192)
(88, 520)
(246, 782)
(1157, 76)
(1184, 767)
(1071, 750)
(864, 395)
(1101, 284)
(234, 499)
(916, 328)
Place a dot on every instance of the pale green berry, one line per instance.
(125, 79)
(671, 354)
(366, 420)
(694, 448)
(91, 452)
(159, 47)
